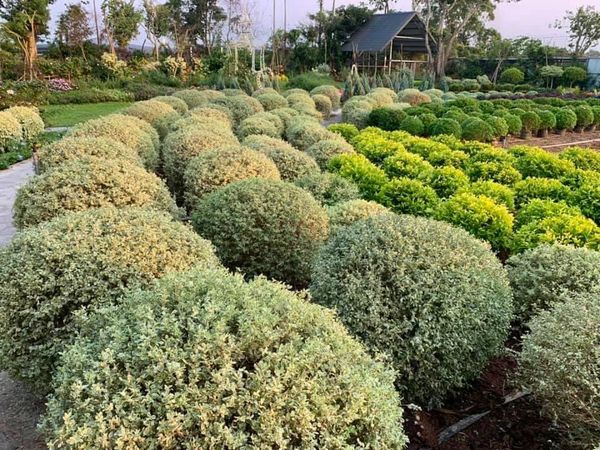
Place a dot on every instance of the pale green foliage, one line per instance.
(257, 125)
(70, 148)
(158, 114)
(346, 213)
(323, 105)
(271, 101)
(428, 294)
(326, 149)
(330, 91)
(129, 130)
(193, 98)
(540, 275)
(304, 132)
(218, 112)
(264, 227)
(217, 168)
(329, 188)
(30, 120)
(51, 273)
(292, 163)
(559, 364)
(88, 183)
(10, 130)
(176, 103)
(207, 361)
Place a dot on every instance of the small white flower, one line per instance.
(10, 92)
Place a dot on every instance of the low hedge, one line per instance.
(88, 183)
(405, 164)
(539, 209)
(328, 188)
(421, 291)
(582, 158)
(447, 181)
(565, 229)
(263, 358)
(264, 227)
(542, 188)
(540, 276)
(51, 275)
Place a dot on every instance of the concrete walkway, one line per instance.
(10, 181)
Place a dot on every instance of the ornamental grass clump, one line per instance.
(559, 365)
(264, 227)
(540, 276)
(328, 188)
(32, 124)
(158, 114)
(214, 169)
(11, 131)
(129, 130)
(221, 363)
(481, 216)
(53, 274)
(89, 183)
(180, 146)
(421, 291)
(346, 213)
(292, 164)
(70, 148)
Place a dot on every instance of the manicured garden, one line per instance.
(214, 269)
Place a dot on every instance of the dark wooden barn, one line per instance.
(389, 41)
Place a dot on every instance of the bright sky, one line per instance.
(527, 17)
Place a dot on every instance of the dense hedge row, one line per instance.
(515, 199)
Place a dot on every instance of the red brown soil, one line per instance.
(569, 139)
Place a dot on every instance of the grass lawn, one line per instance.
(69, 115)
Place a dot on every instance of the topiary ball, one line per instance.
(51, 275)
(292, 163)
(421, 291)
(447, 181)
(346, 213)
(539, 209)
(559, 365)
(330, 91)
(538, 277)
(11, 131)
(214, 169)
(305, 132)
(259, 126)
(475, 129)
(329, 188)
(412, 125)
(30, 120)
(131, 131)
(192, 97)
(541, 188)
(89, 183)
(264, 227)
(177, 104)
(566, 229)
(582, 158)
(158, 114)
(406, 196)
(323, 151)
(445, 126)
(323, 105)
(218, 363)
(272, 100)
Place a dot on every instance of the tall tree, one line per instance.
(156, 23)
(382, 5)
(25, 21)
(73, 29)
(197, 20)
(500, 49)
(121, 21)
(584, 29)
(446, 20)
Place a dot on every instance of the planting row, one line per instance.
(130, 321)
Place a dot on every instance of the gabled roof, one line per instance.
(379, 31)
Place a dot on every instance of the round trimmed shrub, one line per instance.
(303, 133)
(158, 114)
(260, 91)
(239, 107)
(219, 113)
(498, 192)
(328, 188)
(271, 101)
(357, 112)
(131, 131)
(447, 181)
(53, 274)
(176, 103)
(414, 97)
(542, 188)
(540, 276)
(300, 99)
(559, 364)
(405, 164)
(515, 125)
(538, 209)
(566, 119)
(547, 119)
(355, 167)
(330, 91)
(196, 121)
(582, 158)
(70, 148)
(481, 216)
(192, 97)
(499, 126)
(531, 121)
(512, 75)
(264, 227)
(256, 125)
(286, 115)
(412, 125)
(289, 92)
(421, 291)
(386, 118)
(322, 152)
(500, 172)
(323, 105)
(445, 126)
(380, 98)
(346, 130)
(292, 164)
(347, 213)
(406, 196)
(214, 169)
(88, 183)
(585, 115)
(537, 162)
(10, 130)
(180, 146)
(32, 124)
(566, 229)
(587, 197)
(475, 129)
(268, 369)
(275, 119)
(307, 110)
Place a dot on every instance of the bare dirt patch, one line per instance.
(556, 143)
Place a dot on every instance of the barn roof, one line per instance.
(381, 30)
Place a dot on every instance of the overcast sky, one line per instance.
(525, 18)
